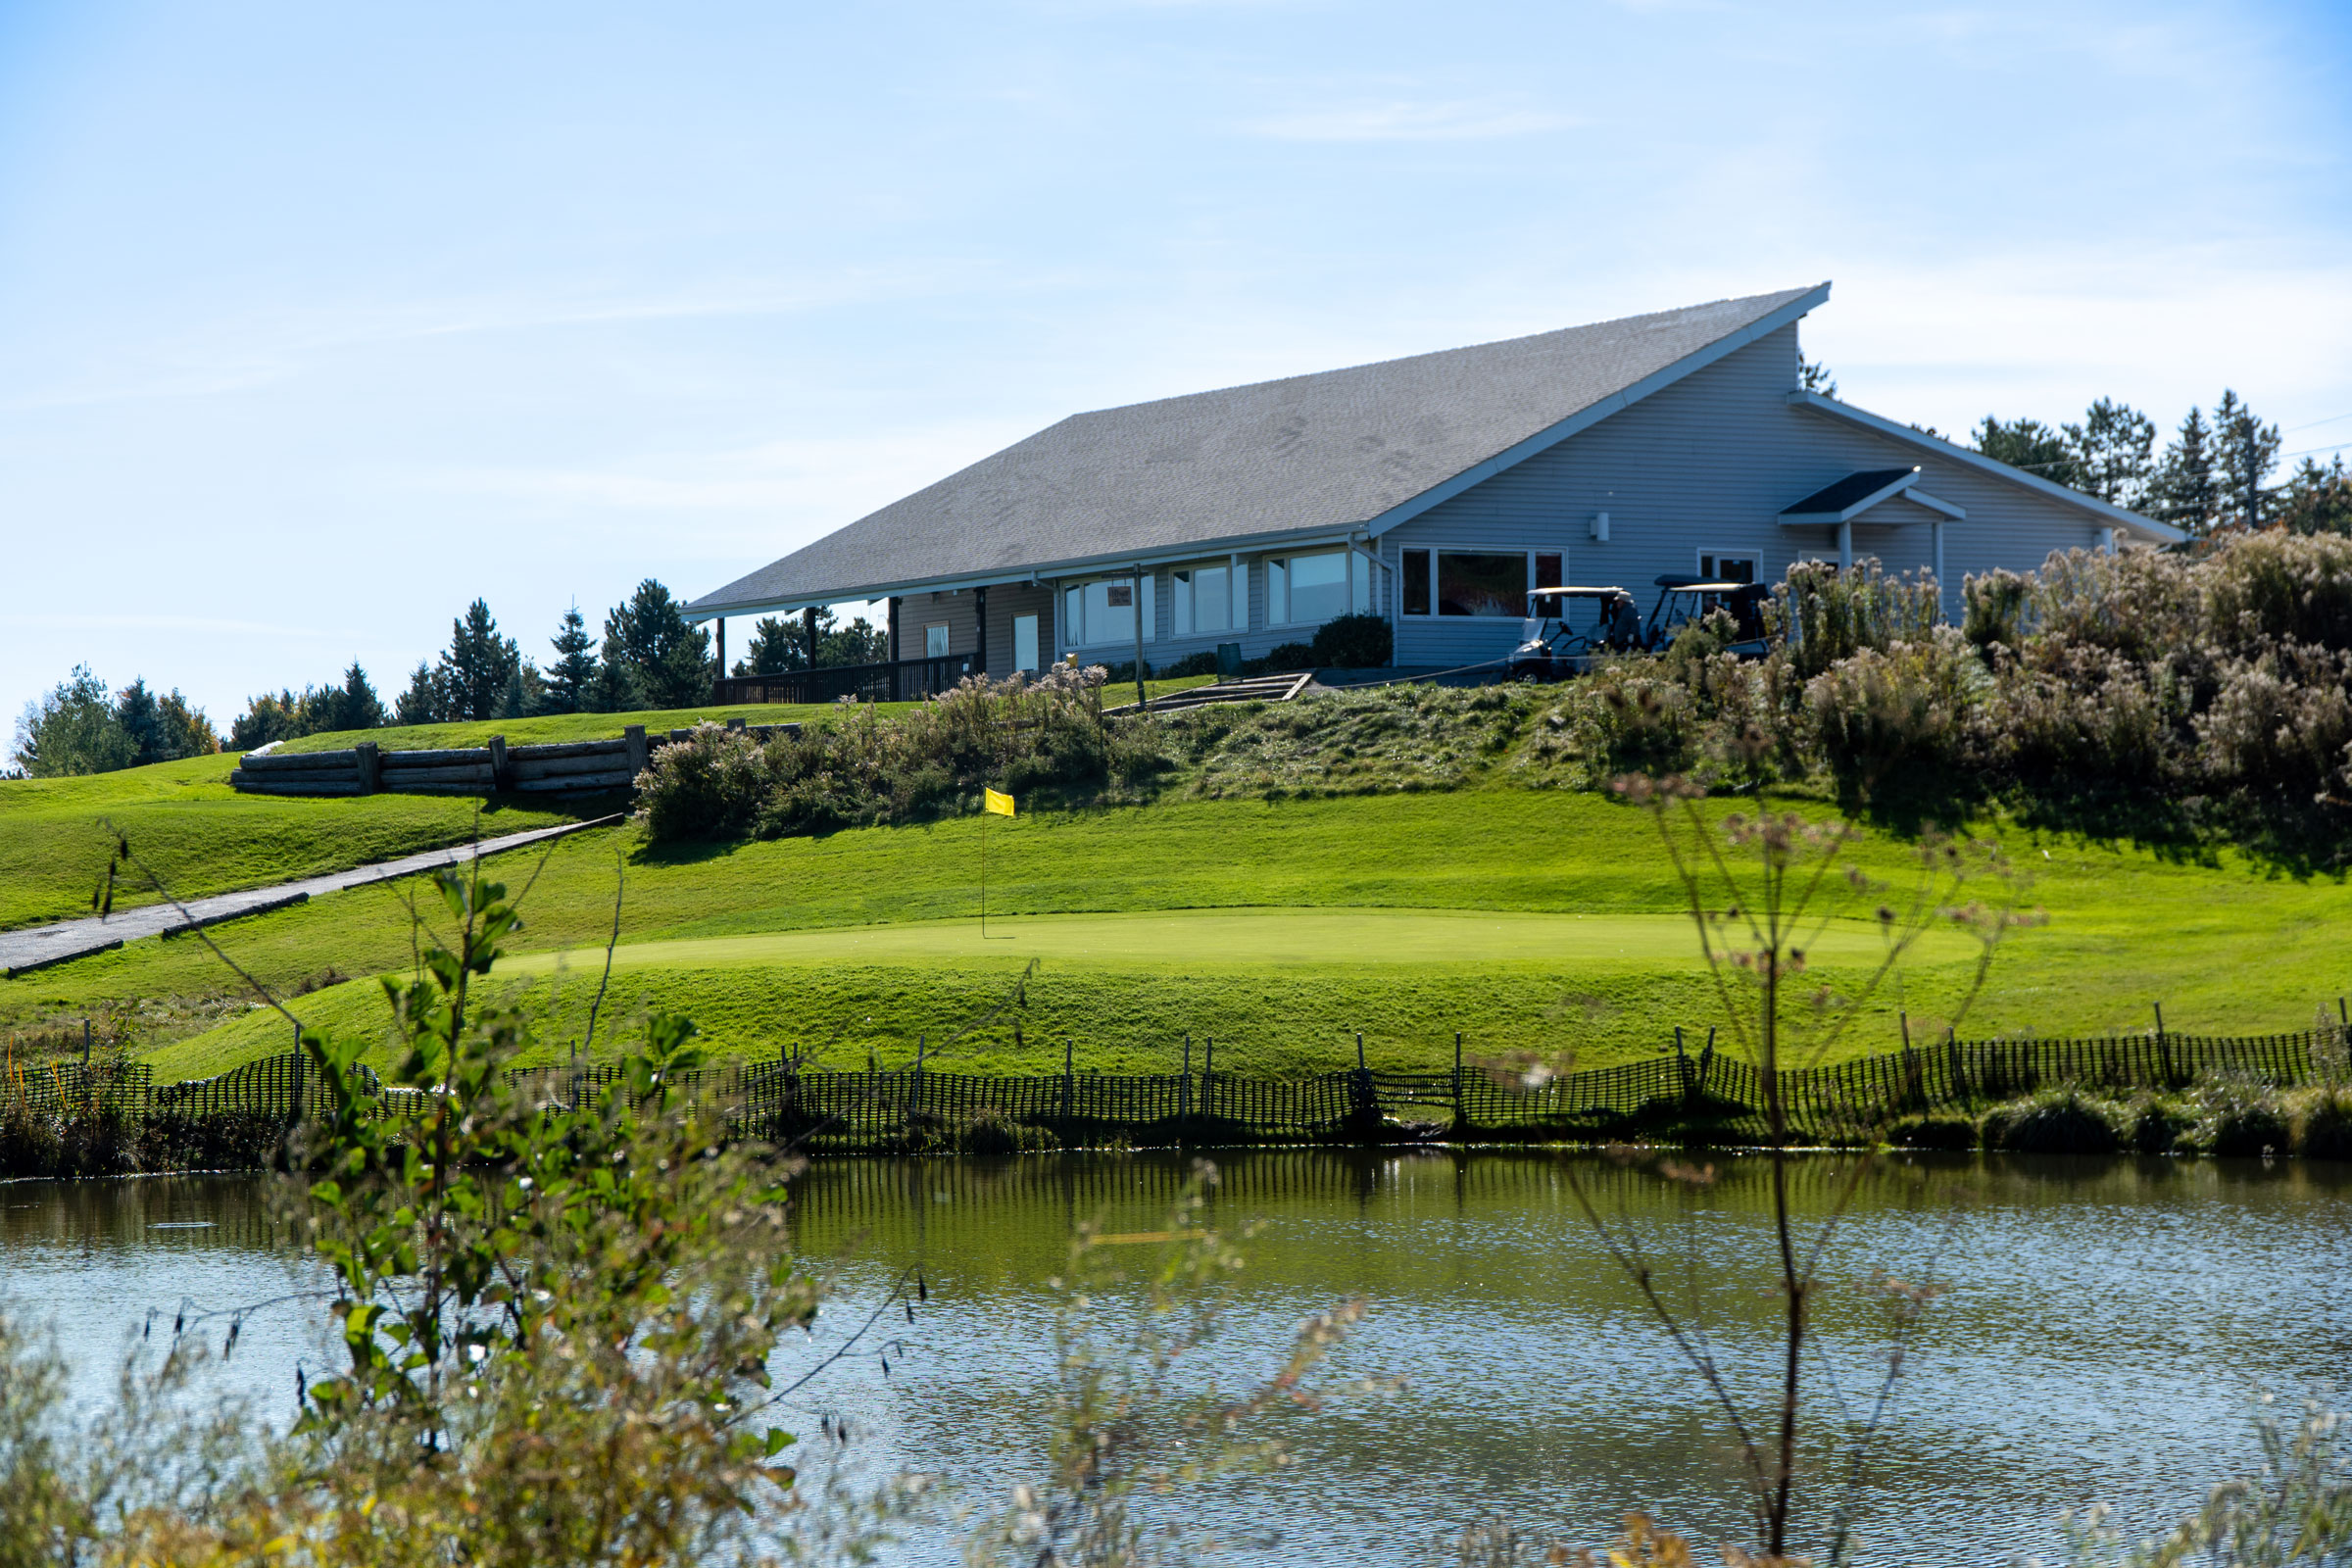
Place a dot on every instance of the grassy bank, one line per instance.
(2223, 943)
(204, 837)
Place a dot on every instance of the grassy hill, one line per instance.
(2224, 944)
(1457, 893)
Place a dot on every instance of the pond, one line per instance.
(2106, 1328)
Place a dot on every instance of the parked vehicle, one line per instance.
(1683, 600)
(1549, 645)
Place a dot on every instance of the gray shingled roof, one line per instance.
(1303, 455)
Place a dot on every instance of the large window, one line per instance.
(1416, 582)
(1482, 583)
(1103, 612)
(935, 640)
(1204, 600)
(1309, 590)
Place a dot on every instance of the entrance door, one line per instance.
(1024, 642)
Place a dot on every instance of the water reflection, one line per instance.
(2106, 1328)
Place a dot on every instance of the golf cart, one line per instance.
(1551, 647)
(1683, 600)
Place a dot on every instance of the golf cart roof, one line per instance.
(1683, 583)
(1574, 593)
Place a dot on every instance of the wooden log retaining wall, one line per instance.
(569, 768)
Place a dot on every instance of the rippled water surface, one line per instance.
(2106, 1328)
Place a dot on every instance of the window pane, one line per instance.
(1184, 601)
(1278, 593)
(1212, 599)
(1073, 618)
(935, 640)
(1024, 642)
(1318, 587)
(1359, 579)
(1480, 584)
(1416, 582)
(1550, 573)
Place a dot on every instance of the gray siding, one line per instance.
(1706, 466)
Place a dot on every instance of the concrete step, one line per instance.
(1255, 689)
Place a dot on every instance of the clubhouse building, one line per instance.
(1434, 491)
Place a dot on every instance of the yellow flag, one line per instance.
(999, 803)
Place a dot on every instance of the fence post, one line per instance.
(1458, 1072)
(633, 738)
(85, 1046)
(1069, 1080)
(2163, 1051)
(372, 769)
(297, 1065)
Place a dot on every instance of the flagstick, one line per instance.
(984, 867)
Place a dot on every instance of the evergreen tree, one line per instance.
(423, 703)
(778, 647)
(2030, 445)
(74, 729)
(188, 732)
(857, 643)
(142, 720)
(479, 667)
(356, 705)
(1814, 376)
(2246, 453)
(2114, 452)
(613, 688)
(574, 669)
(2318, 499)
(2182, 493)
(668, 661)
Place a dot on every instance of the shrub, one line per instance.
(1822, 615)
(1288, 656)
(2156, 1126)
(1995, 611)
(2074, 716)
(1354, 642)
(1880, 715)
(1190, 664)
(2281, 587)
(711, 785)
(2281, 726)
(2325, 1132)
(2239, 1117)
(1933, 1132)
(2057, 1121)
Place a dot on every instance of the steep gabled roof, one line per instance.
(1360, 448)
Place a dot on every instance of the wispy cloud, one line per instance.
(1401, 120)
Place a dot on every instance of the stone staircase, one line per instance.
(1255, 689)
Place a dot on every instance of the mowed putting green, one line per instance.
(1283, 991)
(1183, 940)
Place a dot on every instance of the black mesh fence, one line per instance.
(846, 1111)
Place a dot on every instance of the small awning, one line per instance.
(1851, 497)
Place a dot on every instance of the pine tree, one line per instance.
(188, 732)
(612, 689)
(74, 729)
(2246, 453)
(574, 669)
(1815, 376)
(479, 667)
(142, 720)
(356, 705)
(2182, 493)
(2318, 499)
(424, 702)
(2030, 445)
(667, 660)
(777, 649)
(2113, 453)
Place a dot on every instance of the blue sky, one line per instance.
(317, 321)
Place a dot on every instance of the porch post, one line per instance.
(1141, 699)
(980, 626)
(809, 625)
(1943, 599)
(718, 688)
(1846, 547)
(893, 648)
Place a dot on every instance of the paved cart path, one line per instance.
(39, 946)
